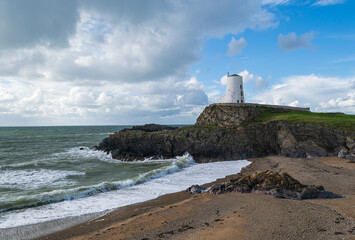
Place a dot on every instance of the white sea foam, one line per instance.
(74, 154)
(84, 191)
(85, 152)
(172, 179)
(34, 179)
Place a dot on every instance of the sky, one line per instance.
(91, 62)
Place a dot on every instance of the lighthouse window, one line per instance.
(241, 93)
(241, 86)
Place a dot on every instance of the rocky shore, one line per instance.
(234, 215)
(280, 185)
(316, 150)
(226, 132)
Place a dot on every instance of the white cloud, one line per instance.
(293, 104)
(319, 93)
(71, 104)
(292, 42)
(5, 96)
(84, 61)
(111, 59)
(347, 101)
(117, 48)
(223, 80)
(235, 46)
(247, 77)
(328, 2)
(275, 2)
(260, 83)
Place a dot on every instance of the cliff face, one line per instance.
(233, 115)
(216, 137)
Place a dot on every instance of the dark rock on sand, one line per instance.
(349, 150)
(281, 185)
(196, 189)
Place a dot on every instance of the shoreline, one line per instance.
(238, 216)
(42, 229)
(234, 215)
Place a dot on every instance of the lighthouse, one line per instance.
(234, 92)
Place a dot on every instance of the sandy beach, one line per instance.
(238, 216)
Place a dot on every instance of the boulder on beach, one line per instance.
(196, 189)
(280, 185)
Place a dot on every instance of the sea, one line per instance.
(50, 173)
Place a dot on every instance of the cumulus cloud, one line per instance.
(259, 82)
(317, 92)
(347, 101)
(223, 80)
(328, 2)
(5, 95)
(247, 76)
(111, 59)
(292, 42)
(236, 46)
(149, 101)
(113, 41)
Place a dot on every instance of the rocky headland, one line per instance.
(238, 131)
(226, 132)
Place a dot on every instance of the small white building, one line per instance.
(234, 92)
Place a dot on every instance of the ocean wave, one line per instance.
(35, 179)
(195, 174)
(27, 178)
(88, 153)
(74, 154)
(85, 152)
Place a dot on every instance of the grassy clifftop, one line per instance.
(339, 121)
(235, 115)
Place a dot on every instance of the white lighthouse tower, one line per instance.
(234, 92)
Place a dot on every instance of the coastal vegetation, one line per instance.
(330, 120)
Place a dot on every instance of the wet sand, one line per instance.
(235, 215)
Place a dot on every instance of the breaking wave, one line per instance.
(33, 179)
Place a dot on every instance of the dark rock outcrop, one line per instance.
(149, 128)
(280, 185)
(235, 114)
(222, 142)
(349, 150)
(196, 189)
(208, 143)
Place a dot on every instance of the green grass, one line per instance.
(339, 121)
